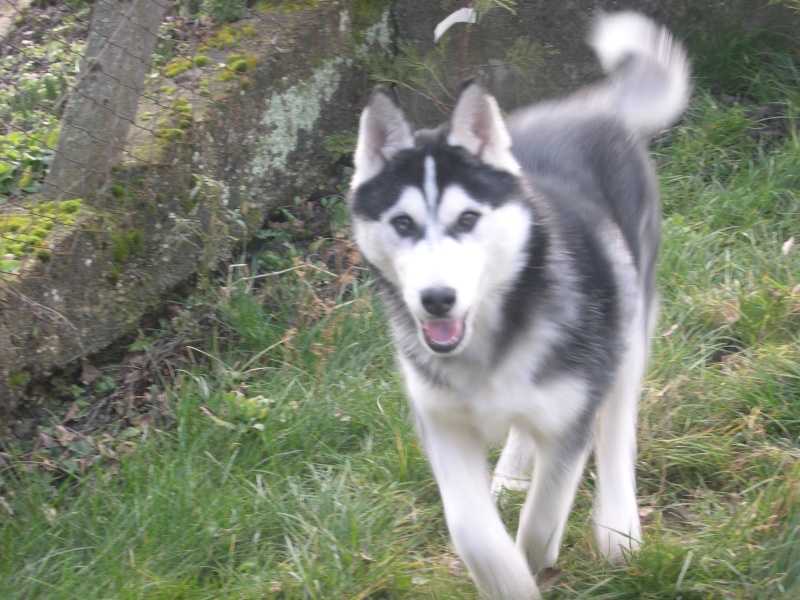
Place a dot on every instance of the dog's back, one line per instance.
(594, 139)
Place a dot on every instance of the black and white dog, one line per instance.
(516, 260)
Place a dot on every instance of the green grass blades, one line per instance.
(291, 468)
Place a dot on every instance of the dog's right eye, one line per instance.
(403, 225)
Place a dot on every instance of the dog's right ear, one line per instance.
(382, 133)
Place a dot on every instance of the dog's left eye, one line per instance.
(466, 222)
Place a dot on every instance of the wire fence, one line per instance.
(96, 95)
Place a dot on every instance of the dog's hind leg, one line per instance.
(616, 511)
(458, 458)
(513, 470)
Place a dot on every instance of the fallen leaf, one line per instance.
(216, 419)
(89, 374)
(453, 564)
(71, 412)
(549, 574)
(130, 432)
(81, 447)
(49, 513)
(45, 441)
(787, 246)
(678, 515)
(65, 436)
(670, 331)
(365, 558)
(6, 506)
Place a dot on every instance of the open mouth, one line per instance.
(443, 335)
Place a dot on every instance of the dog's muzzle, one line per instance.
(440, 333)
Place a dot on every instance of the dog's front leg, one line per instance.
(457, 454)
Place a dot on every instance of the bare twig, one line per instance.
(53, 314)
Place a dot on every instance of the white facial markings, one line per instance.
(455, 201)
(411, 202)
(472, 261)
(429, 184)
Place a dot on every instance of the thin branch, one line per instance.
(50, 312)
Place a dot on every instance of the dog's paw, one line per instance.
(616, 546)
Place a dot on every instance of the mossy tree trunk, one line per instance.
(102, 106)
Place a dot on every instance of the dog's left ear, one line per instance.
(382, 133)
(478, 127)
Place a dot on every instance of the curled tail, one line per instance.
(648, 84)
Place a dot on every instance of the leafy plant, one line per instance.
(39, 77)
(24, 159)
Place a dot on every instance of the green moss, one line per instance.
(201, 61)
(177, 66)
(21, 234)
(249, 31)
(288, 6)
(125, 245)
(117, 191)
(242, 63)
(182, 106)
(69, 206)
(114, 273)
(14, 224)
(19, 379)
(239, 65)
(226, 37)
(44, 254)
(370, 9)
(166, 134)
(369, 25)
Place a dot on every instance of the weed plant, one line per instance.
(292, 469)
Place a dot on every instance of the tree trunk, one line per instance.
(102, 106)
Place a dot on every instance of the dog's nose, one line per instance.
(438, 301)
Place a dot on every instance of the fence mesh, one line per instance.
(46, 174)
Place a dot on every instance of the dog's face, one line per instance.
(442, 214)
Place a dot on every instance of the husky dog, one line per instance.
(516, 261)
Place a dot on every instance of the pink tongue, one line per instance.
(443, 332)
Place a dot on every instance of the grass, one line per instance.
(290, 469)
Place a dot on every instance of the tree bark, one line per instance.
(102, 106)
